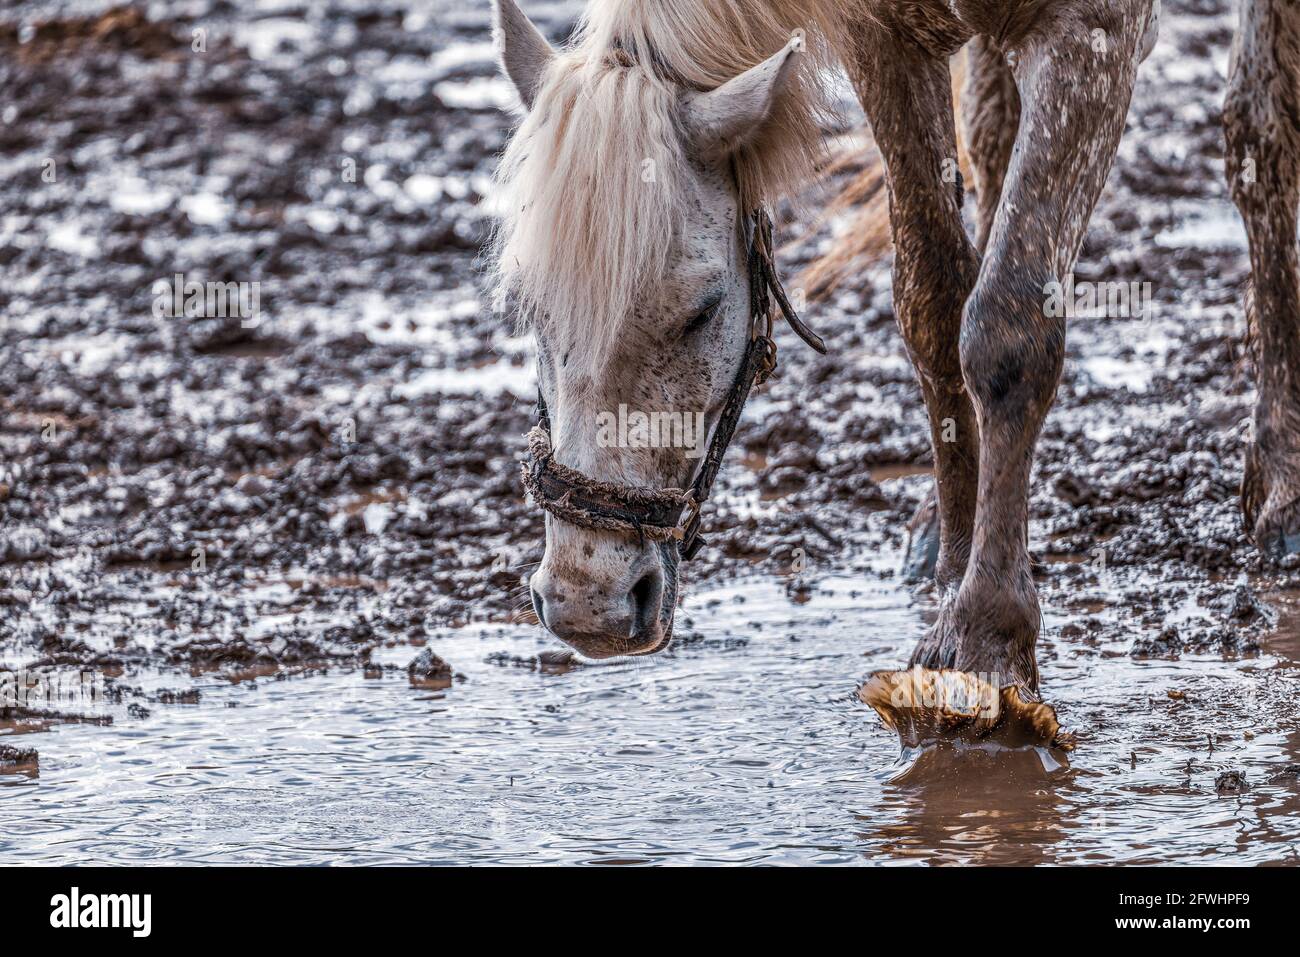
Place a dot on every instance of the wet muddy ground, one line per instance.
(242, 532)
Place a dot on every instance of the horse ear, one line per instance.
(720, 121)
(521, 48)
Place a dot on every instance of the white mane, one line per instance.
(590, 180)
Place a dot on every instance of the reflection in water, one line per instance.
(973, 806)
(746, 744)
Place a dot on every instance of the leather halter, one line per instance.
(671, 513)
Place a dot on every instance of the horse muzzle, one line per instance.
(628, 611)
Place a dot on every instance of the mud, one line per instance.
(427, 670)
(15, 760)
(197, 508)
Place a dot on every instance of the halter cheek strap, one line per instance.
(670, 513)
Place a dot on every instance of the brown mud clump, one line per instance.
(556, 661)
(1231, 782)
(953, 707)
(13, 760)
(429, 671)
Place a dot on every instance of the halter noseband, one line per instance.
(670, 513)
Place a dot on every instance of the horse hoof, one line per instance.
(922, 554)
(1278, 543)
(930, 707)
(1270, 507)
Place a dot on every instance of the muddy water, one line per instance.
(744, 746)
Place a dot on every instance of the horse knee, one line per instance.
(930, 289)
(1259, 166)
(1012, 345)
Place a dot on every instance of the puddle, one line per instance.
(744, 746)
(1220, 227)
(889, 473)
(489, 379)
(480, 93)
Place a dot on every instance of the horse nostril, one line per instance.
(645, 598)
(539, 606)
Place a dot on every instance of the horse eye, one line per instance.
(703, 319)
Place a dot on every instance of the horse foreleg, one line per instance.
(990, 107)
(907, 97)
(1075, 74)
(1262, 123)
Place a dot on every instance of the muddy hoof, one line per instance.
(1277, 543)
(1277, 534)
(954, 707)
(1269, 508)
(922, 555)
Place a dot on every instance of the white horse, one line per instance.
(651, 140)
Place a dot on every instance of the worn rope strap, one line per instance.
(569, 495)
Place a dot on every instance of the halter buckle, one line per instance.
(690, 542)
(767, 361)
